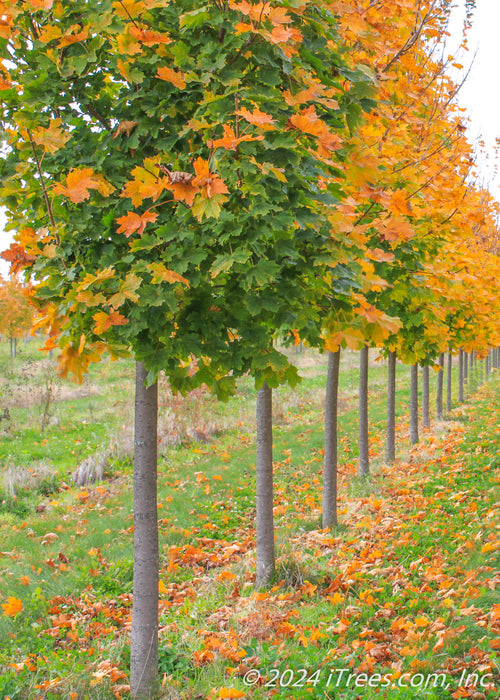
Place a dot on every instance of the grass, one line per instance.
(404, 586)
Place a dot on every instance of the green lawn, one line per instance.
(405, 586)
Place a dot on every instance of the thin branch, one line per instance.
(129, 15)
(364, 214)
(426, 157)
(42, 181)
(412, 40)
(92, 111)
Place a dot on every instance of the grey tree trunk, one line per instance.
(144, 636)
(460, 376)
(439, 389)
(426, 417)
(414, 404)
(329, 514)
(487, 366)
(390, 446)
(364, 461)
(465, 372)
(449, 382)
(265, 521)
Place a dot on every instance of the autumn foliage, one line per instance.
(190, 183)
(16, 312)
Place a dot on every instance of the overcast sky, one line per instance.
(480, 94)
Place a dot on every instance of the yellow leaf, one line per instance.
(51, 138)
(336, 598)
(490, 547)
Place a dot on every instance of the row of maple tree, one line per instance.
(16, 312)
(190, 182)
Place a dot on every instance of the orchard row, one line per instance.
(188, 183)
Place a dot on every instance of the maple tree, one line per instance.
(196, 180)
(407, 203)
(16, 312)
(146, 230)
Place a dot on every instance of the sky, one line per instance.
(480, 94)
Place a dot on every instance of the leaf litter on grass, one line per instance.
(405, 588)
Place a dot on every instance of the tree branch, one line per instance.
(42, 181)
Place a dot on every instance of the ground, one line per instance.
(400, 601)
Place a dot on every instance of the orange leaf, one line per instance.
(495, 612)
(230, 141)
(308, 122)
(399, 204)
(72, 36)
(149, 37)
(336, 598)
(125, 127)
(209, 182)
(78, 183)
(394, 228)
(172, 76)
(12, 607)
(132, 222)
(490, 547)
(41, 4)
(17, 257)
(163, 274)
(103, 321)
(257, 117)
(280, 35)
(226, 576)
(230, 693)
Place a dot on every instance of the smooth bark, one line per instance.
(426, 417)
(439, 388)
(390, 446)
(449, 376)
(329, 514)
(144, 636)
(364, 460)
(460, 376)
(465, 373)
(265, 521)
(414, 404)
